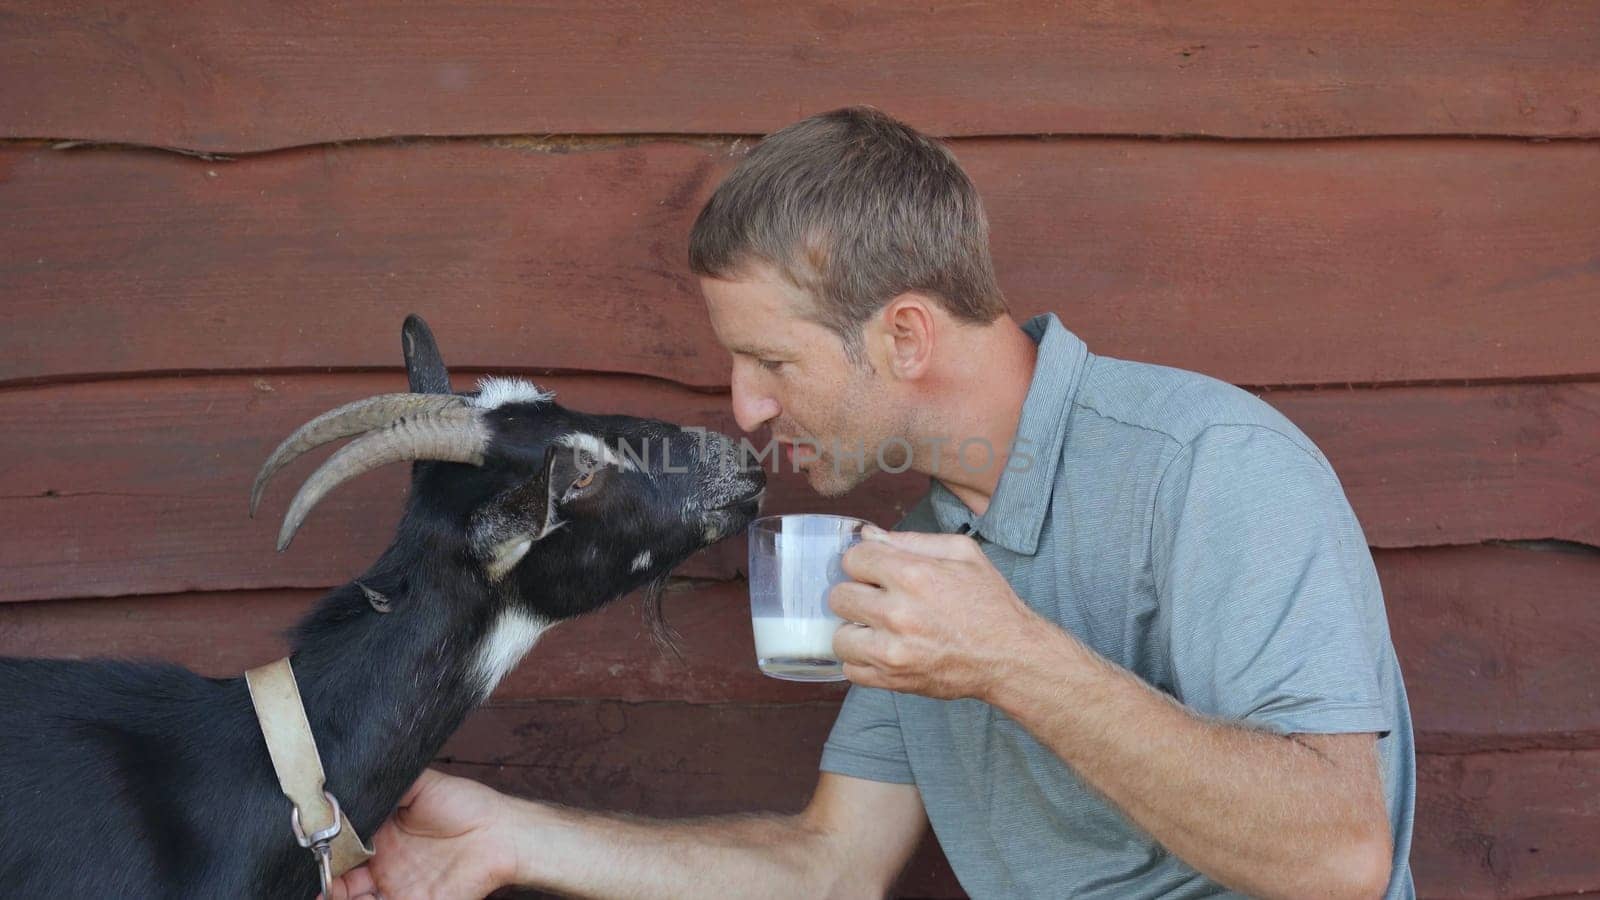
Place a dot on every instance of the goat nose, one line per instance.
(749, 460)
(746, 458)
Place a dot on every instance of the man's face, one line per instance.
(792, 375)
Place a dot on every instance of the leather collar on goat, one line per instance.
(318, 823)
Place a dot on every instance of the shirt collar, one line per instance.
(1016, 511)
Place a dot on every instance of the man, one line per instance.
(1131, 644)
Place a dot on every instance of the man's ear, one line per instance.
(503, 530)
(909, 330)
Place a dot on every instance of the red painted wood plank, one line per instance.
(607, 655)
(1430, 466)
(215, 634)
(1494, 643)
(1489, 825)
(135, 487)
(1496, 825)
(139, 486)
(1259, 262)
(259, 75)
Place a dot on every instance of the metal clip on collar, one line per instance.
(320, 843)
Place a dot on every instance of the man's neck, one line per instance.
(980, 408)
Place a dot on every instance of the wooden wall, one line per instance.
(1383, 217)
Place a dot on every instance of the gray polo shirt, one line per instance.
(1186, 531)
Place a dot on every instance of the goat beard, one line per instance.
(662, 633)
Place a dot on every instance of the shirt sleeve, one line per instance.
(866, 740)
(1266, 586)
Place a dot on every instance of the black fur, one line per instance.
(131, 780)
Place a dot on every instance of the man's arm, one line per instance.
(454, 838)
(851, 841)
(1266, 814)
(1269, 815)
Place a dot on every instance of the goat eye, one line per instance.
(584, 480)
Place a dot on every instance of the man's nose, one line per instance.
(751, 407)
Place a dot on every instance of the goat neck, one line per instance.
(383, 691)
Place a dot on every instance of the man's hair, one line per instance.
(854, 208)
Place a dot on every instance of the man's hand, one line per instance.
(447, 841)
(933, 616)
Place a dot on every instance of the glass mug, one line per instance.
(794, 561)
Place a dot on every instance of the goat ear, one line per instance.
(424, 366)
(503, 530)
(424, 369)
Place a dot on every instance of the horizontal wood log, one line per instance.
(1495, 644)
(260, 75)
(1434, 466)
(140, 486)
(1488, 825)
(1261, 263)
(136, 487)
(1496, 825)
(606, 655)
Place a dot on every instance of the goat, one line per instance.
(132, 779)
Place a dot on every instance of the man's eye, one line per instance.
(771, 365)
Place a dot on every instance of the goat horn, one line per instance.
(347, 420)
(452, 434)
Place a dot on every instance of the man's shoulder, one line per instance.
(1177, 403)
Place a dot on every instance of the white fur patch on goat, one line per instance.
(597, 448)
(641, 562)
(509, 640)
(494, 392)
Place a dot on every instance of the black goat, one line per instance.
(121, 779)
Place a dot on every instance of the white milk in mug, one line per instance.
(794, 561)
